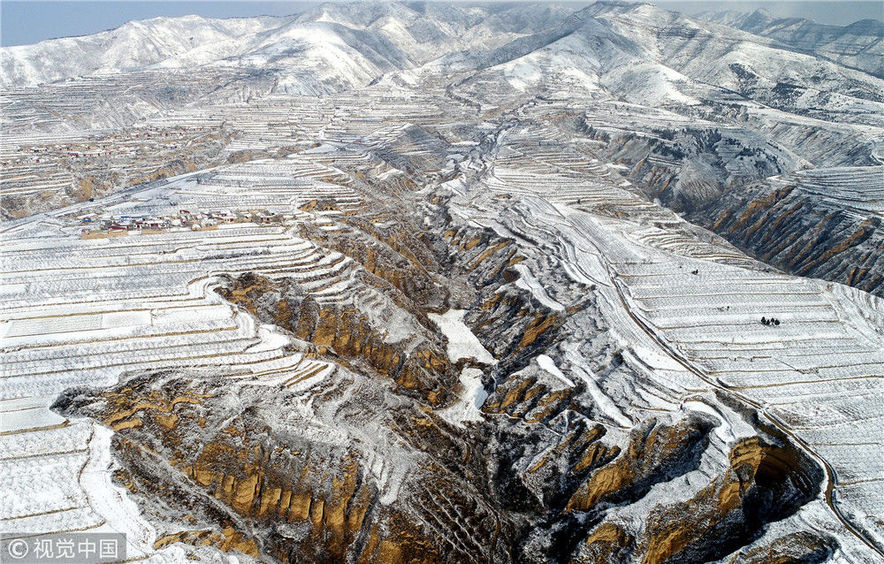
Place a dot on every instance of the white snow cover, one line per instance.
(527, 281)
(699, 332)
(472, 396)
(549, 365)
(462, 343)
(81, 312)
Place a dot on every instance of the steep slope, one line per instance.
(431, 283)
(824, 223)
(330, 47)
(858, 45)
(751, 66)
(402, 367)
(135, 45)
(645, 55)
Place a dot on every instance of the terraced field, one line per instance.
(439, 283)
(80, 312)
(816, 372)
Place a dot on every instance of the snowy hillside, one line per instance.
(424, 282)
(135, 45)
(859, 45)
(343, 45)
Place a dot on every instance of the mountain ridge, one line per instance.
(857, 45)
(445, 283)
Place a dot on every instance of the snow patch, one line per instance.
(462, 343)
(604, 403)
(549, 365)
(472, 396)
(528, 282)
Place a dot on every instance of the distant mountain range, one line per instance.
(856, 45)
(349, 45)
(345, 45)
(424, 282)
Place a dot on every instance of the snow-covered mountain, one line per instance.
(857, 45)
(636, 51)
(424, 282)
(710, 68)
(130, 47)
(339, 45)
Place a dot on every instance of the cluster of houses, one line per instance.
(105, 146)
(194, 220)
